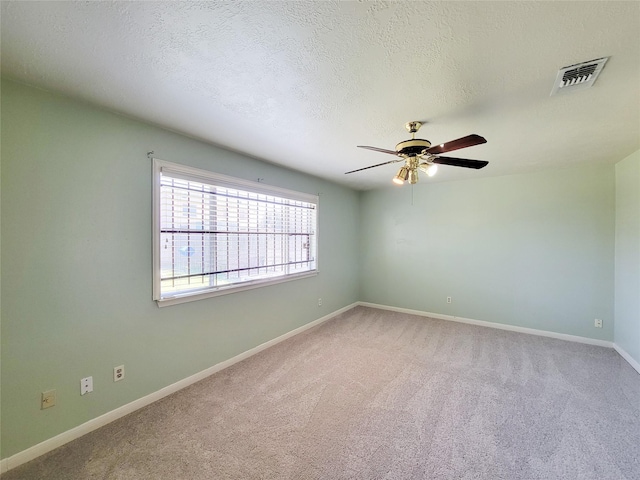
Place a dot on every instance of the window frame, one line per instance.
(211, 178)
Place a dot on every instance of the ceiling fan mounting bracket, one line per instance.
(413, 127)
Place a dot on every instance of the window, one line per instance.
(215, 234)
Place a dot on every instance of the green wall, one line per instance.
(76, 265)
(627, 282)
(533, 250)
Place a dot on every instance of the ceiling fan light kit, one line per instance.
(429, 168)
(402, 176)
(413, 176)
(417, 153)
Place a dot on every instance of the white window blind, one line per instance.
(215, 234)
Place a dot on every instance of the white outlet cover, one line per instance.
(118, 373)
(86, 385)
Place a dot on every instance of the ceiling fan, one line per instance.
(418, 154)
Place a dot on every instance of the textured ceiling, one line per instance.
(301, 84)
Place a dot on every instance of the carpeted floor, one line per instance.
(373, 394)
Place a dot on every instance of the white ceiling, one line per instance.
(301, 84)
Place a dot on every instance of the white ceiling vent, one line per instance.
(578, 76)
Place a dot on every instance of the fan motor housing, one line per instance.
(414, 146)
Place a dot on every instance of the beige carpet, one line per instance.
(380, 395)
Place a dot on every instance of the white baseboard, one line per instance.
(501, 326)
(76, 432)
(627, 357)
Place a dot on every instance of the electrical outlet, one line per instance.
(118, 373)
(319, 302)
(86, 385)
(48, 399)
(597, 323)
(448, 299)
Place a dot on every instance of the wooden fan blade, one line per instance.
(376, 149)
(464, 142)
(379, 164)
(460, 162)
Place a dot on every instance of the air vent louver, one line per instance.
(578, 77)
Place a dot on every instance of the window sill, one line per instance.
(192, 297)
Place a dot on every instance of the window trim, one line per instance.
(205, 176)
